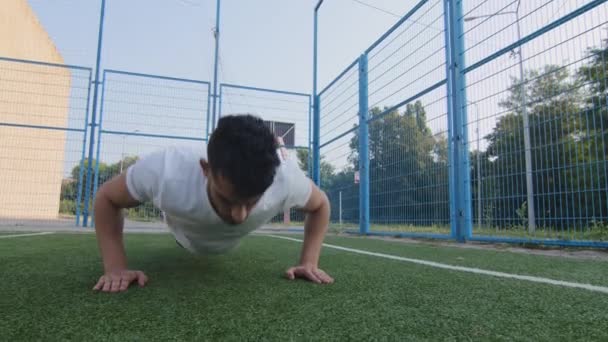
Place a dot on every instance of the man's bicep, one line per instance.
(315, 200)
(117, 192)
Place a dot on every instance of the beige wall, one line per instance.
(31, 160)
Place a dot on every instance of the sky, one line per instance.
(268, 44)
(265, 43)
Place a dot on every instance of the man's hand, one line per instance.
(111, 198)
(309, 272)
(119, 281)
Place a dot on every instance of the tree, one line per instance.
(564, 161)
(70, 187)
(408, 168)
(594, 77)
(327, 170)
(336, 183)
(594, 132)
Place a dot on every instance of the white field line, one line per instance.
(533, 279)
(20, 235)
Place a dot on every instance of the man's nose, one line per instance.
(238, 214)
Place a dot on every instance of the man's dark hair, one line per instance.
(244, 151)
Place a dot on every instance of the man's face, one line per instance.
(231, 208)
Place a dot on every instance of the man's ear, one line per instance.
(206, 168)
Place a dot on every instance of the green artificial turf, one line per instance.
(47, 280)
(553, 267)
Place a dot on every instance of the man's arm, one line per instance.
(317, 221)
(111, 198)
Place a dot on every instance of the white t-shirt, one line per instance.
(174, 181)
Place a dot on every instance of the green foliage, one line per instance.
(69, 189)
(145, 212)
(567, 149)
(522, 213)
(408, 166)
(327, 170)
(67, 206)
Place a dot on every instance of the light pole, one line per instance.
(340, 210)
(479, 198)
(527, 148)
(122, 150)
(216, 35)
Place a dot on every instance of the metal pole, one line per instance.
(216, 34)
(122, 152)
(463, 117)
(99, 139)
(460, 184)
(316, 161)
(219, 105)
(447, 18)
(209, 97)
(84, 147)
(479, 195)
(309, 161)
(340, 211)
(93, 116)
(527, 148)
(364, 218)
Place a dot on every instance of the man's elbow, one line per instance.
(325, 200)
(101, 196)
(321, 203)
(104, 203)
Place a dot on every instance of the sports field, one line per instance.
(384, 290)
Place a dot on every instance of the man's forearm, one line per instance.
(108, 227)
(315, 228)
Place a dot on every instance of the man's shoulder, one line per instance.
(182, 160)
(289, 168)
(289, 176)
(185, 152)
(172, 157)
(174, 162)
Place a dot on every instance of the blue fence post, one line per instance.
(450, 116)
(93, 117)
(363, 147)
(467, 224)
(460, 190)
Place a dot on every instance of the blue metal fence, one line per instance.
(468, 120)
(458, 146)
